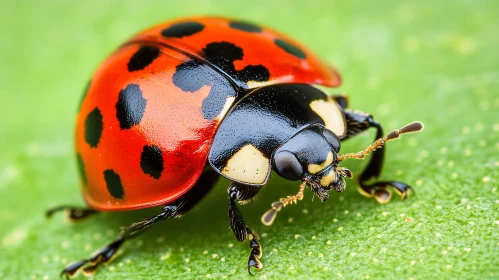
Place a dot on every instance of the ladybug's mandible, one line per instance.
(188, 100)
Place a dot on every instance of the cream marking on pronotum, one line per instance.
(248, 165)
(331, 113)
(316, 168)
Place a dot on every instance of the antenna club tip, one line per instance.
(421, 125)
(412, 127)
(269, 217)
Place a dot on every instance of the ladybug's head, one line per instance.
(312, 156)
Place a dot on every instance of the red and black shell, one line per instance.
(153, 108)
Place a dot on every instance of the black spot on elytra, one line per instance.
(84, 94)
(130, 106)
(257, 73)
(93, 127)
(244, 26)
(191, 75)
(113, 184)
(290, 48)
(142, 58)
(81, 169)
(182, 29)
(151, 161)
(223, 55)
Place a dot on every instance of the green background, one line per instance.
(433, 61)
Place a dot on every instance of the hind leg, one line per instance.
(73, 213)
(174, 210)
(358, 122)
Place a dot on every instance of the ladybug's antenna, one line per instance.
(412, 127)
(269, 216)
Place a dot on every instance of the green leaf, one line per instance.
(432, 61)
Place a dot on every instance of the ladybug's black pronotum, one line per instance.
(186, 101)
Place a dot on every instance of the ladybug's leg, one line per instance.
(73, 214)
(175, 210)
(239, 228)
(342, 100)
(105, 255)
(358, 122)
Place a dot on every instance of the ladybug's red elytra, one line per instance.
(186, 101)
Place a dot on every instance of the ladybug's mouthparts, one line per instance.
(324, 182)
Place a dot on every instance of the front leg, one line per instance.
(358, 122)
(238, 226)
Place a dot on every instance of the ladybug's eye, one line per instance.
(287, 166)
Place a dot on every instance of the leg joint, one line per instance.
(242, 192)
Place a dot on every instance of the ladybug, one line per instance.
(187, 101)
